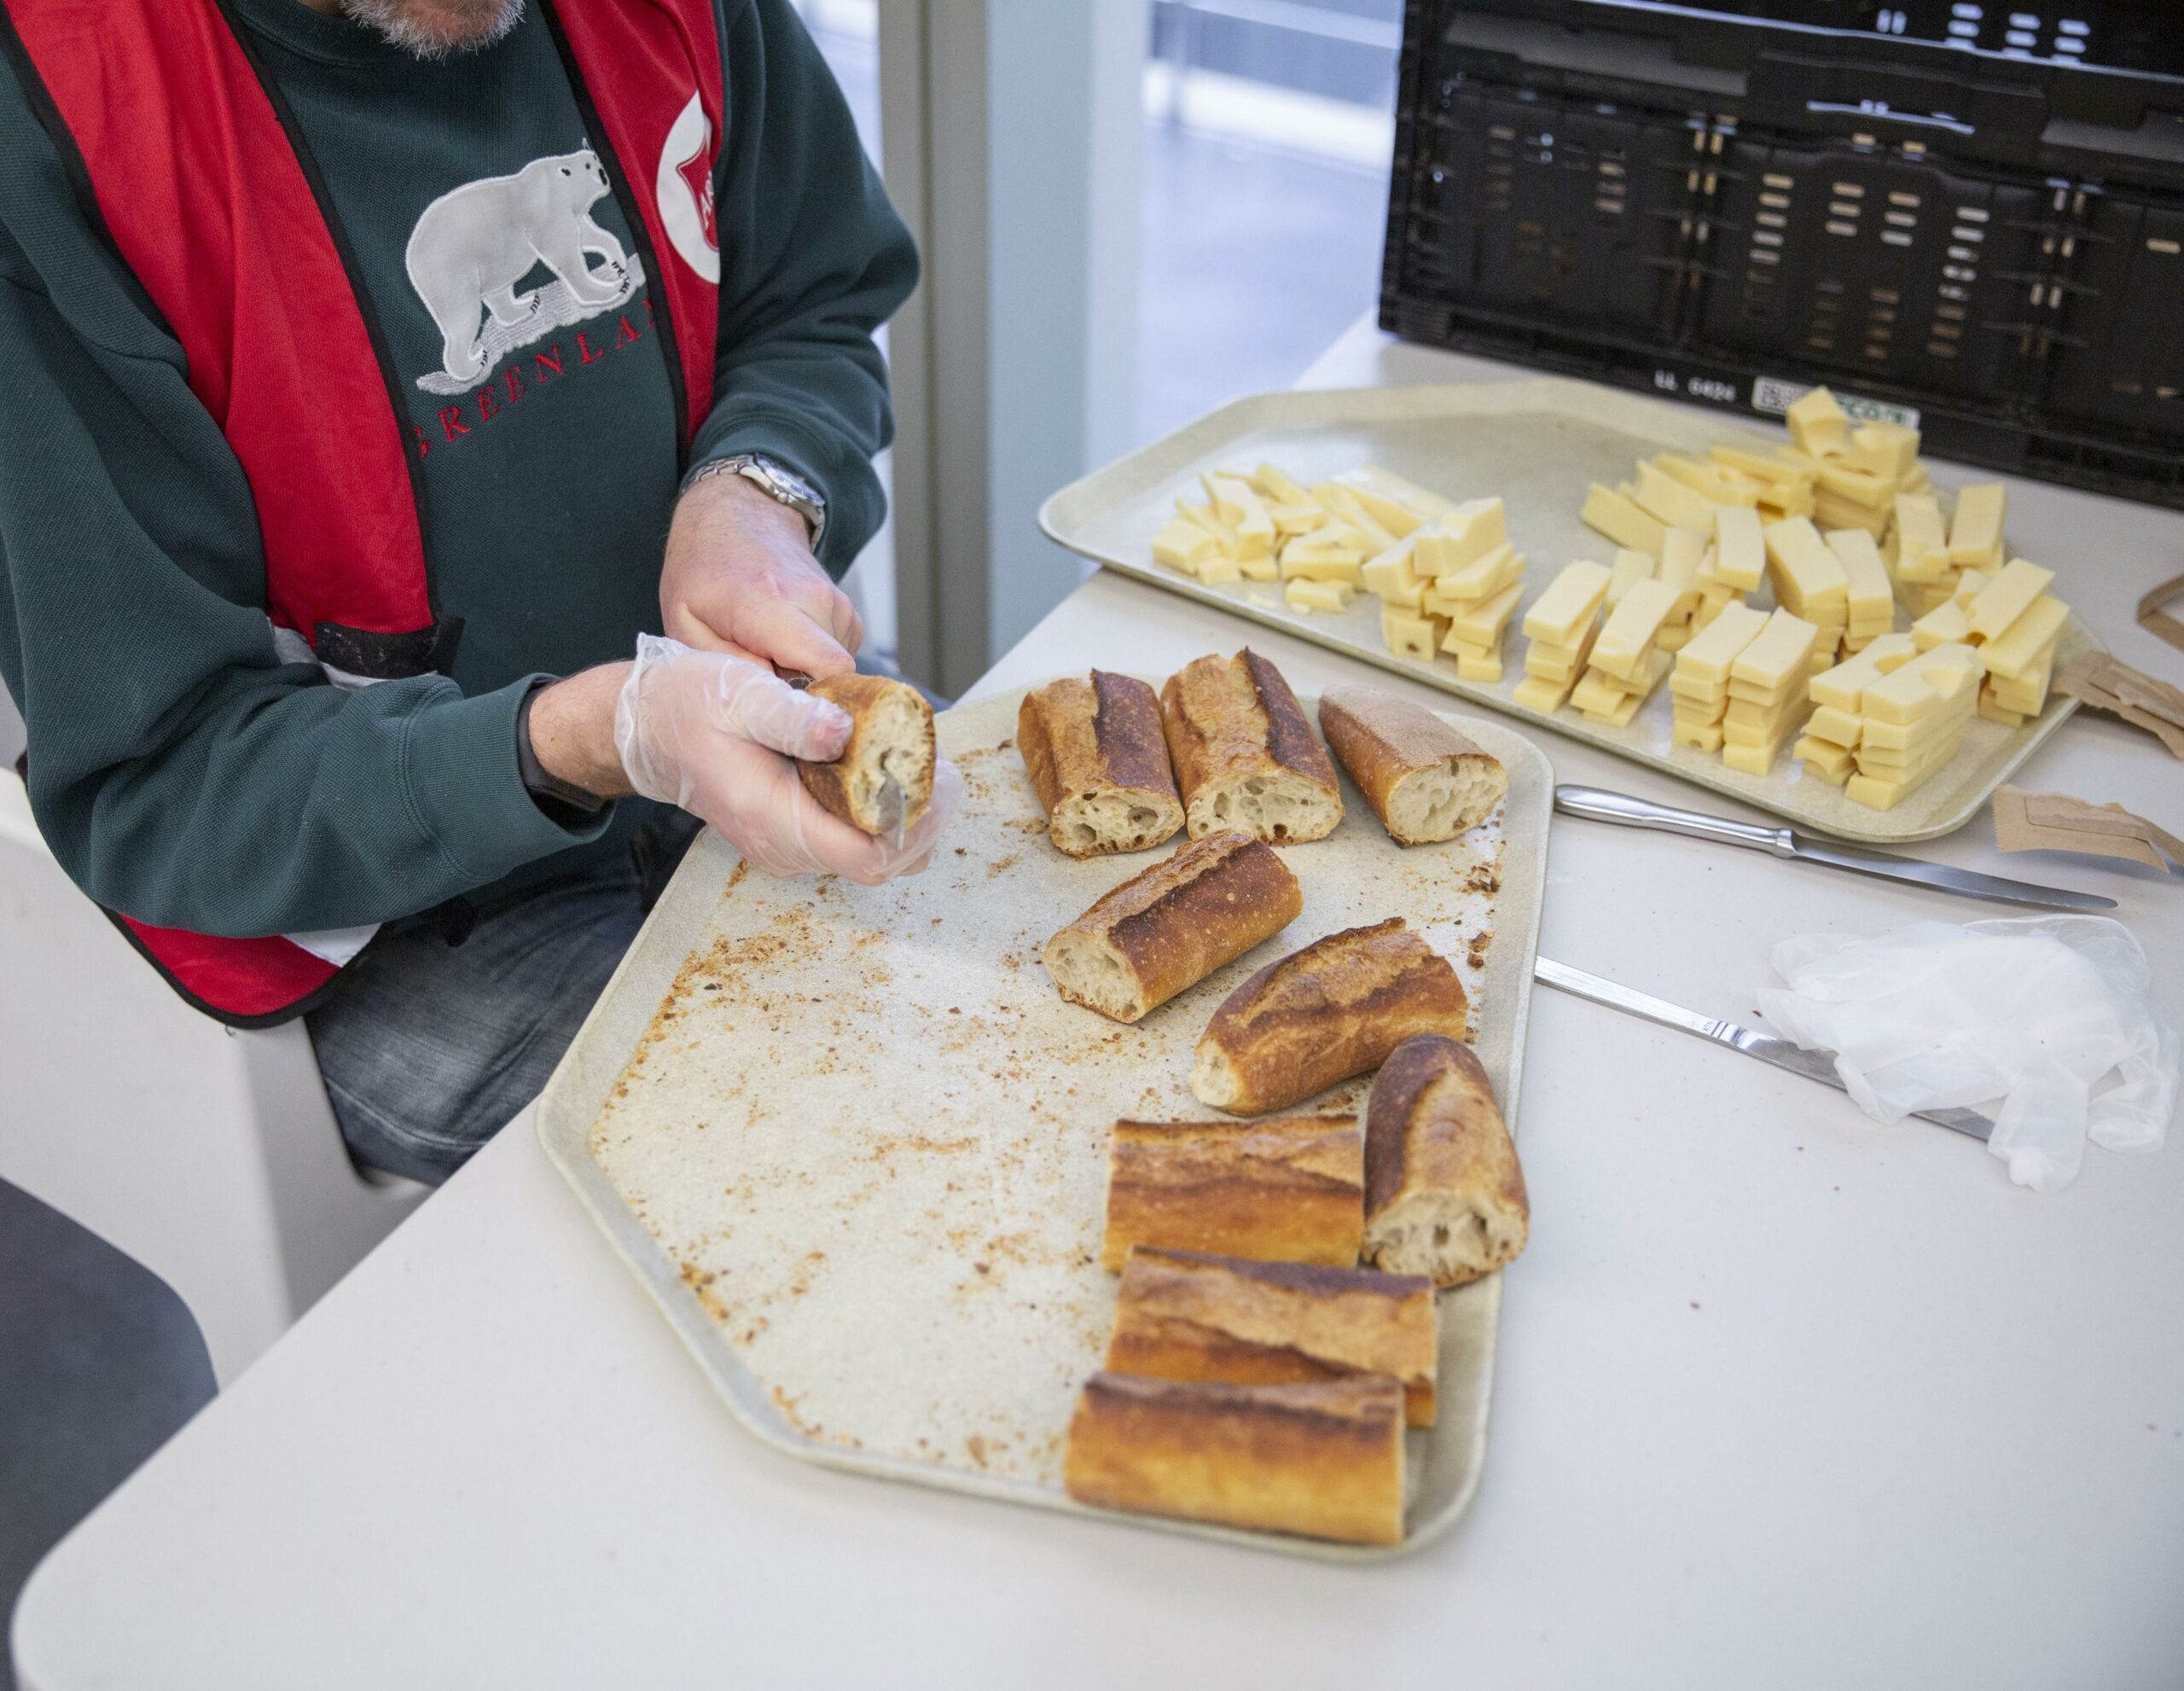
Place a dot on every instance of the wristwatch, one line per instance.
(778, 481)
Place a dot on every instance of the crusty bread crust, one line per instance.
(1097, 757)
(1334, 1009)
(1286, 1190)
(1182, 1314)
(1424, 780)
(891, 734)
(1244, 755)
(1171, 925)
(1323, 1459)
(1444, 1193)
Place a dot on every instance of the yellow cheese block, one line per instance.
(1625, 646)
(1702, 736)
(1183, 546)
(1709, 657)
(1779, 655)
(1318, 595)
(1837, 727)
(1215, 571)
(1915, 765)
(2028, 697)
(1845, 485)
(1345, 504)
(1610, 702)
(1207, 519)
(1674, 637)
(1465, 536)
(1921, 540)
(1807, 577)
(1949, 624)
(1751, 760)
(1718, 484)
(1238, 504)
(1661, 495)
(1975, 532)
(1895, 741)
(1390, 575)
(1925, 683)
(1399, 506)
(1294, 519)
(1477, 666)
(1481, 624)
(1841, 685)
(1831, 763)
(2018, 647)
(1759, 467)
(1740, 547)
(1628, 569)
(1277, 487)
(1995, 713)
(1818, 426)
(2008, 596)
(1484, 577)
(1886, 449)
(1260, 569)
(1408, 635)
(1620, 520)
(1683, 552)
(1870, 597)
(1563, 615)
(1559, 664)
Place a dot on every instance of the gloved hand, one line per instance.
(715, 735)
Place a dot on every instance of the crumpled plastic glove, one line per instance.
(715, 736)
(2052, 1015)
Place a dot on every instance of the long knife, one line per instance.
(1812, 1065)
(1596, 805)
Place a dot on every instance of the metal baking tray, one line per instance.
(1537, 443)
(854, 1145)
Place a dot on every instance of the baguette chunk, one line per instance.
(1173, 924)
(1318, 1016)
(1097, 757)
(1445, 1194)
(1424, 780)
(1288, 1190)
(891, 740)
(1182, 1314)
(1324, 1460)
(1244, 756)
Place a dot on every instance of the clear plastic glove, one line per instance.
(2052, 1015)
(715, 735)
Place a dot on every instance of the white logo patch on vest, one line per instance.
(473, 244)
(684, 190)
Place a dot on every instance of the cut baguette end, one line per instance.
(1097, 824)
(1439, 804)
(1088, 971)
(1451, 1237)
(1215, 1082)
(1275, 808)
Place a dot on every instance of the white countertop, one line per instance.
(1783, 1399)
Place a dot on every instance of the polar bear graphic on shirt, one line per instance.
(475, 243)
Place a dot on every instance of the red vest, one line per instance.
(184, 154)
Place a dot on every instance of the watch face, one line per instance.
(791, 484)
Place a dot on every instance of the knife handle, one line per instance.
(1597, 805)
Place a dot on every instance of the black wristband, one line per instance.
(553, 795)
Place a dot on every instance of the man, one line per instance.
(358, 357)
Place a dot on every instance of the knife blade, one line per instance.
(1812, 1065)
(1620, 808)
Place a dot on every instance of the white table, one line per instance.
(1785, 1399)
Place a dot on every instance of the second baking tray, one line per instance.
(854, 1145)
(1538, 443)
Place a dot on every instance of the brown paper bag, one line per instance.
(2055, 821)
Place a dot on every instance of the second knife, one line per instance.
(1598, 805)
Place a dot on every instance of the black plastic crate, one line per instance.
(1735, 203)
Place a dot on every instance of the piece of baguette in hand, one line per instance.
(1445, 1194)
(1098, 758)
(1424, 780)
(1184, 1316)
(1324, 1460)
(1320, 1015)
(1290, 1190)
(891, 739)
(1173, 924)
(1244, 755)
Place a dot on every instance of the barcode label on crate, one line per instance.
(1774, 396)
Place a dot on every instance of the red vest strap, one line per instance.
(242, 982)
(210, 207)
(640, 65)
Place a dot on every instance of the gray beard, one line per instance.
(438, 29)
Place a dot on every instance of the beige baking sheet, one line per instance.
(1538, 443)
(854, 1145)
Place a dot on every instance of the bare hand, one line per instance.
(740, 579)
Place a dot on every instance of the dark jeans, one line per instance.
(428, 1048)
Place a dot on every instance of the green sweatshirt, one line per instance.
(182, 772)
